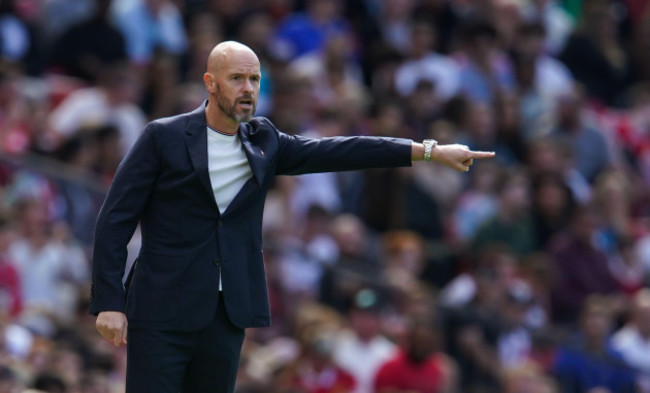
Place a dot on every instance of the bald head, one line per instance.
(228, 52)
(233, 80)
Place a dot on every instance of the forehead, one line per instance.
(238, 61)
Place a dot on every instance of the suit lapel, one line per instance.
(257, 163)
(254, 154)
(196, 141)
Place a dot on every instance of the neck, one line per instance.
(218, 121)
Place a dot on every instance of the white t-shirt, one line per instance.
(228, 168)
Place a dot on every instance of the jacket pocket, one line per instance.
(155, 306)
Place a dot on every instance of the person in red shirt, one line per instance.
(419, 366)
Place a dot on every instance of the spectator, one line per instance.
(394, 20)
(552, 78)
(89, 46)
(553, 203)
(110, 103)
(477, 204)
(419, 366)
(362, 349)
(334, 75)
(308, 251)
(549, 156)
(485, 71)
(307, 32)
(590, 362)
(427, 65)
(596, 57)
(581, 267)
(79, 206)
(591, 154)
(148, 24)
(314, 371)
(515, 340)
(472, 319)
(632, 341)
(357, 266)
(513, 225)
(405, 258)
(42, 262)
(555, 19)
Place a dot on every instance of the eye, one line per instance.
(236, 77)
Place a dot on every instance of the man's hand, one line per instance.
(455, 156)
(112, 326)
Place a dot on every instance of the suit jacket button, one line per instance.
(217, 262)
(220, 223)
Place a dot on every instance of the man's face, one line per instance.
(238, 86)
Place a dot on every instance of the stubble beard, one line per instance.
(230, 109)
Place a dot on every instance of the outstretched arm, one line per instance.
(455, 156)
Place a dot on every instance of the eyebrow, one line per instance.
(255, 75)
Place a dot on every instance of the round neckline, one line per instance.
(221, 132)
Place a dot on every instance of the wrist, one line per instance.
(417, 151)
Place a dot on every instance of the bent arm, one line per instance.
(117, 220)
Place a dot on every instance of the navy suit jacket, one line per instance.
(163, 183)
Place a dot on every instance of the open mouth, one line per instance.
(246, 103)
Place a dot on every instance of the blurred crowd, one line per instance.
(526, 275)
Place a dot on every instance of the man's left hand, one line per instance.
(457, 156)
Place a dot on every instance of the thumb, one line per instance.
(117, 338)
(124, 332)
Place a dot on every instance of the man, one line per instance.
(196, 183)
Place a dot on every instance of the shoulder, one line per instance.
(259, 126)
(171, 126)
(172, 121)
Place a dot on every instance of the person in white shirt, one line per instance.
(362, 349)
(633, 339)
(425, 64)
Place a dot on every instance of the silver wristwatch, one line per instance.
(429, 144)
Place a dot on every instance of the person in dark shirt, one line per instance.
(580, 265)
(591, 363)
(87, 47)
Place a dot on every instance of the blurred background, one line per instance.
(526, 275)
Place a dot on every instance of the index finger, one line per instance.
(481, 154)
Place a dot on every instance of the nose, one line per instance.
(248, 86)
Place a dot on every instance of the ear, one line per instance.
(209, 82)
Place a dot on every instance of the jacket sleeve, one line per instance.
(117, 220)
(298, 154)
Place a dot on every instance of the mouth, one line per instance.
(246, 103)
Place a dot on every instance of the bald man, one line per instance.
(196, 183)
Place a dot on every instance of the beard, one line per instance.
(230, 108)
